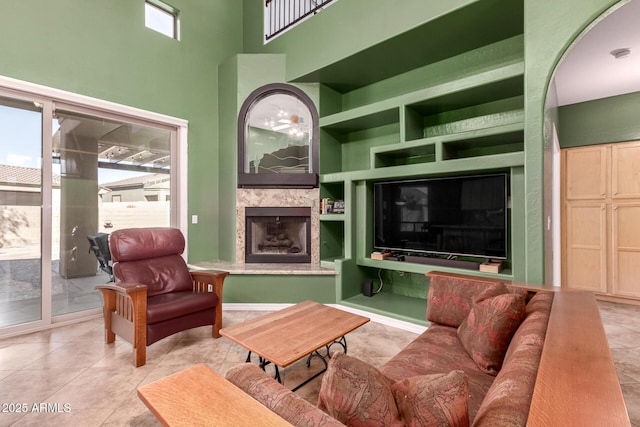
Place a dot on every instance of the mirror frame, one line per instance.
(276, 180)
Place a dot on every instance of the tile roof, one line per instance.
(149, 179)
(10, 174)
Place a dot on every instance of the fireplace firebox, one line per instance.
(278, 235)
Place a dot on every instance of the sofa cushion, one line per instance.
(293, 408)
(161, 275)
(357, 394)
(177, 304)
(430, 400)
(435, 351)
(450, 298)
(134, 244)
(508, 400)
(486, 332)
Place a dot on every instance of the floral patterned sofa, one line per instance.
(475, 365)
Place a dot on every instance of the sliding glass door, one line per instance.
(108, 174)
(20, 212)
(71, 174)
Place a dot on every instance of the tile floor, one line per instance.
(72, 367)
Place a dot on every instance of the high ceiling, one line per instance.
(590, 71)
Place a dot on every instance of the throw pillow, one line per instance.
(433, 400)
(357, 394)
(450, 298)
(486, 332)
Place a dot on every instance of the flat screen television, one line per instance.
(464, 215)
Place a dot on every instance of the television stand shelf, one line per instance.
(453, 263)
(408, 309)
(408, 266)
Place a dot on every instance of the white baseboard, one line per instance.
(384, 320)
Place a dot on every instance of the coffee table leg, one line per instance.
(317, 354)
(342, 341)
(262, 363)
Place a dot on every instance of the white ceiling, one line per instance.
(589, 71)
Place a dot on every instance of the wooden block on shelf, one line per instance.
(380, 255)
(491, 266)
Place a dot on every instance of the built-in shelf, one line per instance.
(460, 115)
(463, 165)
(391, 305)
(411, 267)
(366, 117)
(502, 82)
(332, 217)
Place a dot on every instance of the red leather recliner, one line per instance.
(155, 294)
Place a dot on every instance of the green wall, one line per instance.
(550, 26)
(102, 49)
(613, 119)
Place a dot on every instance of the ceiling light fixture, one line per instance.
(621, 53)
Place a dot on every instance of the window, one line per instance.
(278, 139)
(162, 18)
(62, 157)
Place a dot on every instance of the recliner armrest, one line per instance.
(123, 287)
(202, 278)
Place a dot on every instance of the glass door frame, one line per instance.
(48, 99)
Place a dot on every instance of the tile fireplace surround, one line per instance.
(280, 197)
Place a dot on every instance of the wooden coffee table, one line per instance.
(286, 336)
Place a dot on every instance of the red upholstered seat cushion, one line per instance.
(435, 351)
(176, 304)
(293, 408)
(132, 244)
(357, 394)
(433, 400)
(450, 298)
(161, 275)
(151, 256)
(487, 331)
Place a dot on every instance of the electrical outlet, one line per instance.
(210, 288)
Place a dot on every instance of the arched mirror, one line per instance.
(278, 139)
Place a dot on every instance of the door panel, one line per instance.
(586, 249)
(625, 170)
(588, 180)
(20, 212)
(626, 249)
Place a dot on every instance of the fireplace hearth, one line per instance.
(278, 235)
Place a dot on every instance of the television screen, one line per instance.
(455, 216)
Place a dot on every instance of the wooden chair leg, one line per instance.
(109, 300)
(215, 332)
(140, 356)
(139, 301)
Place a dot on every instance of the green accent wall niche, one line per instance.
(602, 121)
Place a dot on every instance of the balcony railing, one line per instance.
(280, 15)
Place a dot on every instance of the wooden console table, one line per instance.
(199, 397)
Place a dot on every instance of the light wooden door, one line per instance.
(586, 247)
(625, 261)
(625, 170)
(601, 218)
(586, 173)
